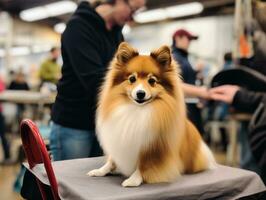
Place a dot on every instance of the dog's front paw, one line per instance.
(132, 182)
(96, 172)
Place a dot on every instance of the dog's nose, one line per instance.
(141, 94)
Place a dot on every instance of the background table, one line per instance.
(221, 183)
(26, 97)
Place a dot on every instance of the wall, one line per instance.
(215, 37)
(27, 35)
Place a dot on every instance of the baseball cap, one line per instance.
(183, 32)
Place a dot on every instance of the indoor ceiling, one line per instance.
(211, 7)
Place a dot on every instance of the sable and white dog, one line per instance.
(141, 121)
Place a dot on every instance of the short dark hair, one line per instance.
(228, 56)
(53, 49)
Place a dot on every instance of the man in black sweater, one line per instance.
(88, 44)
(251, 102)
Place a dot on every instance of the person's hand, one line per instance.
(224, 93)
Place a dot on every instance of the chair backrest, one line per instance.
(241, 76)
(36, 153)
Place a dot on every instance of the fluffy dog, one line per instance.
(141, 120)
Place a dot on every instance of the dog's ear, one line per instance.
(125, 52)
(162, 56)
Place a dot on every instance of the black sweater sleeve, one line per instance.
(247, 101)
(255, 102)
(82, 49)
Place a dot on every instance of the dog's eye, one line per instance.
(132, 79)
(152, 81)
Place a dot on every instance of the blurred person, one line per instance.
(50, 70)
(19, 83)
(251, 102)
(181, 42)
(200, 66)
(228, 61)
(258, 60)
(221, 109)
(89, 42)
(256, 29)
(5, 145)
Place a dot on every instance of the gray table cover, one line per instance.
(221, 183)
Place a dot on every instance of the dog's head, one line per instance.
(143, 79)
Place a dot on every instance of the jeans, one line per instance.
(247, 160)
(68, 143)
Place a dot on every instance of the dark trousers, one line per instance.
(194, 115)
(5, 145)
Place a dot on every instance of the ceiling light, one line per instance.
(150, 16)
(60, 8)
(33, 14)
(60, 27)
(169, 12)
(49, 10)
(184, 10)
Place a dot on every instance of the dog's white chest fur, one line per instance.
(124, 134)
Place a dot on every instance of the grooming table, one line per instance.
(220, 183)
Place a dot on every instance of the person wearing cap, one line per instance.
(181, 43)
(88, 44)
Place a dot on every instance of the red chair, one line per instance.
(36, 153)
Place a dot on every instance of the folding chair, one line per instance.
(36, 153)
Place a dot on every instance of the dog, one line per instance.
(141, 120)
